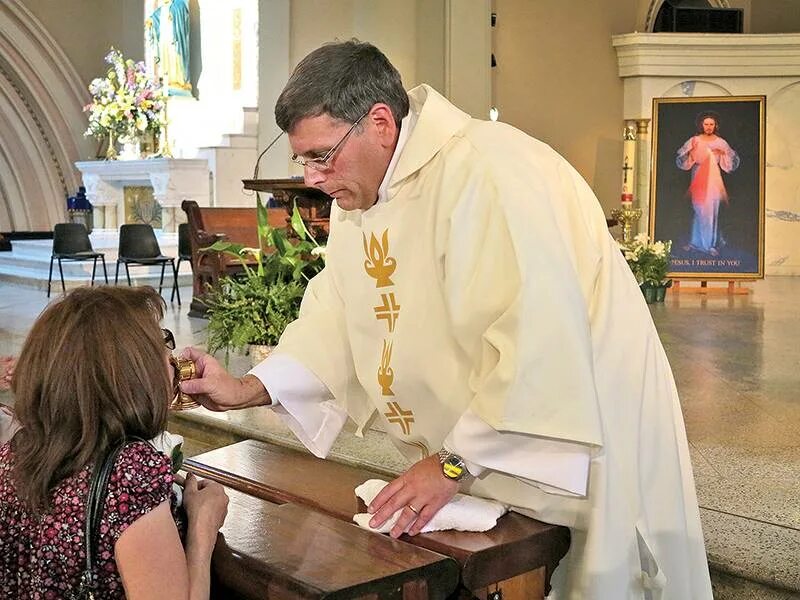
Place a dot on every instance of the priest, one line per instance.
(475, 303)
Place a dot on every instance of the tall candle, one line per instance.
(628, 164)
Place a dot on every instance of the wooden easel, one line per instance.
(734, 288)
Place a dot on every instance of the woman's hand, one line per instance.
(206, 506)
(7, 364)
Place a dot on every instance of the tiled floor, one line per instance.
(737, 365)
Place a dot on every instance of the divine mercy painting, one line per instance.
(707, 185)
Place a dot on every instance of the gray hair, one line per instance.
(343, 80)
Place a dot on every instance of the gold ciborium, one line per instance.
(183, 369)
(627, 217)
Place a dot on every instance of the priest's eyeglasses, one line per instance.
(323, 163)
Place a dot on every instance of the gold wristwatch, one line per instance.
(453, 466)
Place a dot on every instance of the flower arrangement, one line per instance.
(127, 103)
(649, 261)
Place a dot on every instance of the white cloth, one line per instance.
(166, 443)
(302, 402)
(488, 282)
(406, 127)
(8, 424)
(555, 466)
(462, 513)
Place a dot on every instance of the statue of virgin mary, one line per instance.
(168, 38)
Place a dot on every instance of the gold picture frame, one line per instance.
(707, 181)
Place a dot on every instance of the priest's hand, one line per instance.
(218, 390)
(420, 492)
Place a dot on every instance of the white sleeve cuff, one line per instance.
(556, 466)
(302, 401)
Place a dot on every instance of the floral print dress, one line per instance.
(42, 556)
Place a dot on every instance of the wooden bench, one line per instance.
(211, 224)
(518, 555)
(291, 552)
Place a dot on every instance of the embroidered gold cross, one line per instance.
(404, 418)
(379, 265)
(385, 371)
(388, 311)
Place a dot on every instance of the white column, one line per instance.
(250, 50)
(176, 183)
(273, 69)
(468, 55)
(105, 199)
(643, 171)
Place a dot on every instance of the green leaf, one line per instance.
(299, 226)
(297, 223)
(223, 246)
(279, 241)
(177, 458)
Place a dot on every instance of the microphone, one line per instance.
(264, 151)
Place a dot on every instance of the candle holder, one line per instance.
(627, 217)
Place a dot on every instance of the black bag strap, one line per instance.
(95, 505)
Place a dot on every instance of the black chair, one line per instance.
(184, 250)
(71, 242)
(138, 246)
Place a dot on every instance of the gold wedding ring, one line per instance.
(414, 510)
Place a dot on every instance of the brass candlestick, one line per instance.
(626, 216)
(166, 150)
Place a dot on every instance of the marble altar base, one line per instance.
(173, 180)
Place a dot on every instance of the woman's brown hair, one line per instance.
(92, 371)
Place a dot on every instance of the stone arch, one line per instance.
(41, 123)
(695, 87)
(646, 18)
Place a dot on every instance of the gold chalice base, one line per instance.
(184, 369)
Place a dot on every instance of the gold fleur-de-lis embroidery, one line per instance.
(385, 371)
(379, 265)
(396, 414)
(388, 311)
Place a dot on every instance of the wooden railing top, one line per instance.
(282, 551)
(516, 545)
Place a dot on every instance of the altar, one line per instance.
(172, 180)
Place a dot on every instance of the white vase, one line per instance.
(131, 149)
(258, 352)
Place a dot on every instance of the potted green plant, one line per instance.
(252, 309)
(649, 262)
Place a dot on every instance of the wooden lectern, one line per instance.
(239, 224)
(314, 204)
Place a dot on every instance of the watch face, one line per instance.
(453, 469)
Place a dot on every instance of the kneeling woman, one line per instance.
(93, 373)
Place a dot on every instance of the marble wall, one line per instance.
(783, 181)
